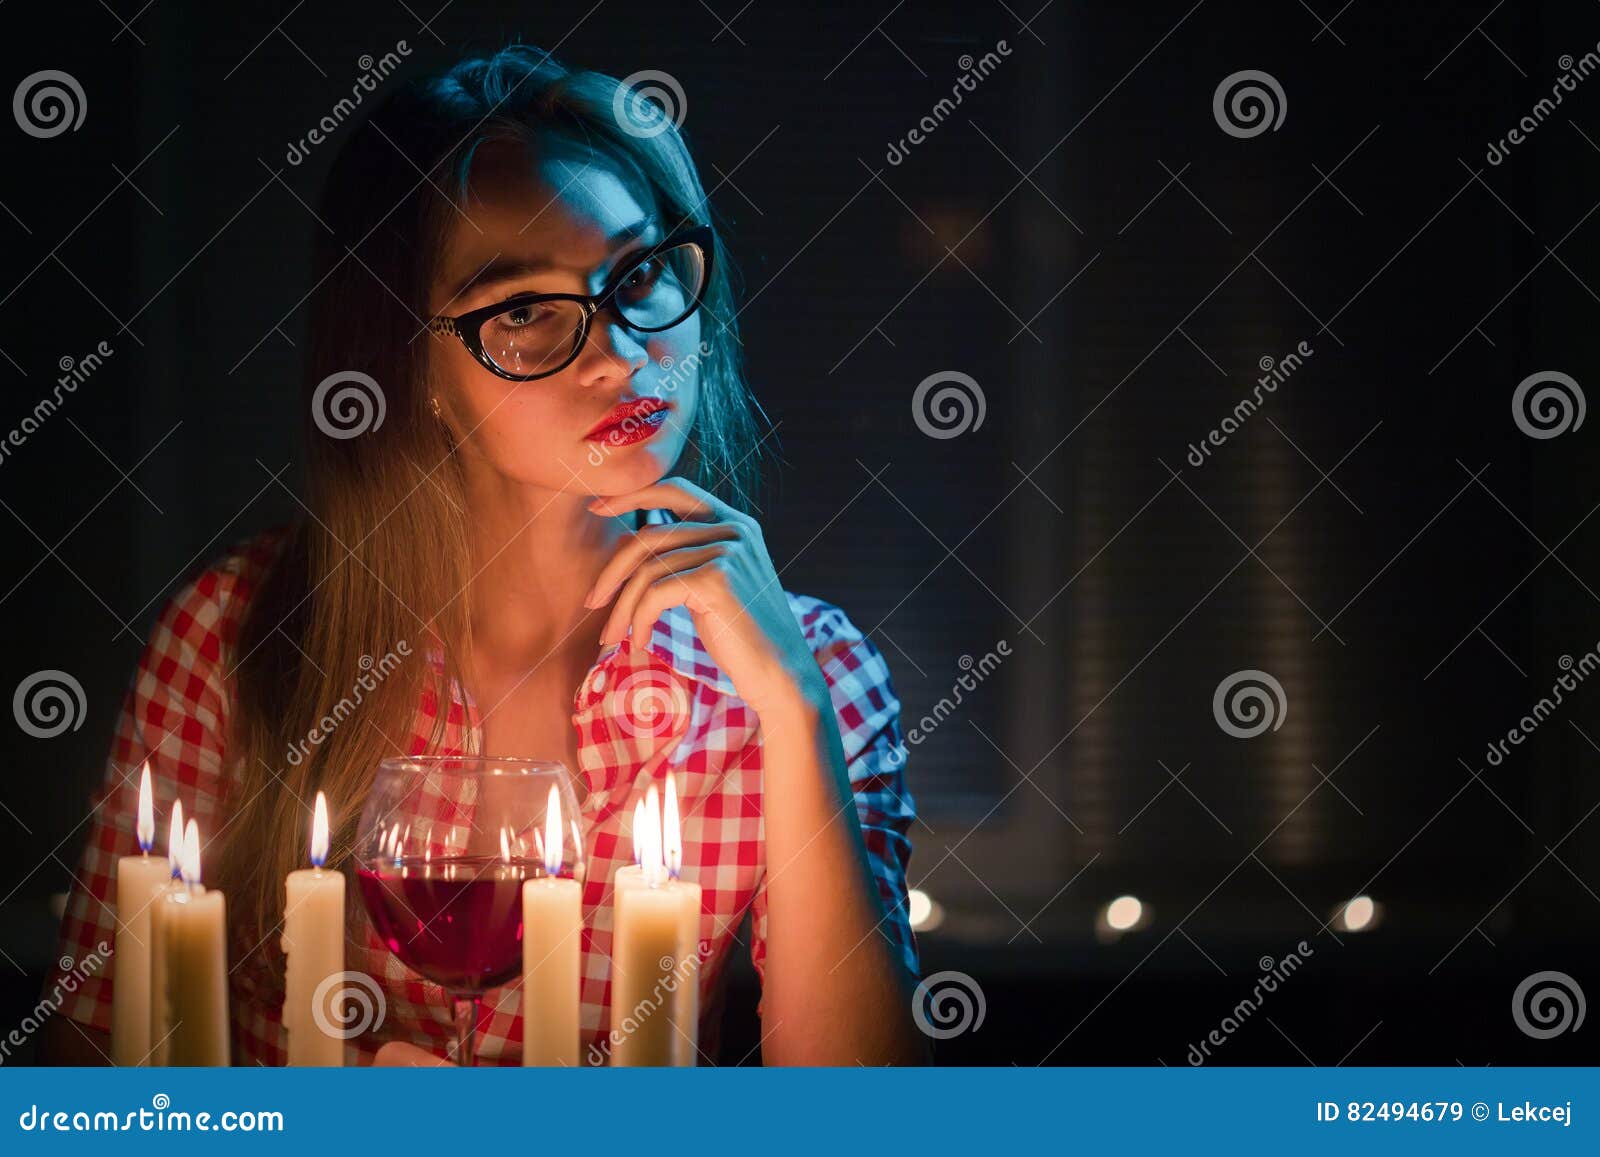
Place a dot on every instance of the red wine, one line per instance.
(456, 921)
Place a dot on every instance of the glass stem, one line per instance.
(467, 1008)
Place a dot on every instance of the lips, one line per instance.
(635, 411)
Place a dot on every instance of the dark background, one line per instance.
(1083, 240)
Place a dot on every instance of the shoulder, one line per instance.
(205, 611)
(855, 669)
(182, 691)
(825, 626)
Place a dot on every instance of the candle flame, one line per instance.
(319, 831)
(191, 853)
(671, 833)
(638, 832)
(505, 848)
(175, 840)
(654, 867)
(147, 811)
(552, 849)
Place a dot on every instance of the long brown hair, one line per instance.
(377, 566)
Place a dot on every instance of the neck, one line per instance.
(536, 553)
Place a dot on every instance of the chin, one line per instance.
(612, 471)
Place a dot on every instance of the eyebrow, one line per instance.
(511, 268)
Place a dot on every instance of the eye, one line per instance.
(641, 279)
(526, 316)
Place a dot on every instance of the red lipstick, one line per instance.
(630, 422)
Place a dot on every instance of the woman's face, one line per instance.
(560, 222)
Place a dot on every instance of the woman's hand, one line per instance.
(716, 565)
(834, 991)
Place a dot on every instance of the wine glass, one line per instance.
(443, 847)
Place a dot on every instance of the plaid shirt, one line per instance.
(176, 714)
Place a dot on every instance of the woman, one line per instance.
(529, 445)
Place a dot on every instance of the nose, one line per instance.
(610, 352)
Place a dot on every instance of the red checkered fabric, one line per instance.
(641, 713)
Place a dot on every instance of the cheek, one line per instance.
(677, 359)
(677, 366)
(519, 429)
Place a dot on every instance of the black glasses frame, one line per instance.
(468, 326)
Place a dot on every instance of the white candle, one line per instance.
(687, 1007)
(194, 966)
(654, 959)
(313, 938)
(552, 922)
(155, 993)
(139, 880)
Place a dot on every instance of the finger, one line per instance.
(653, 540)
(689, 588)
(650, 572)
(679, 495)
(404, 1054)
